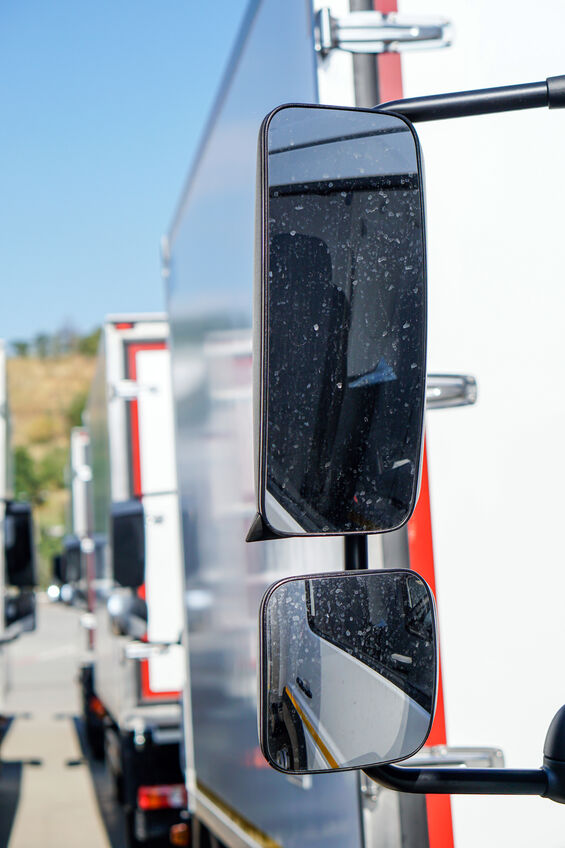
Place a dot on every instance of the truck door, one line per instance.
(154, 483)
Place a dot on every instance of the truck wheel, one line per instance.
(113, 767)
(95, 738)
(202, 838)
(133, 842)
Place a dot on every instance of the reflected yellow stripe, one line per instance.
(321, 745)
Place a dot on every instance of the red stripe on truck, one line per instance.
(420, 539)
(420, 545)
(147, 693)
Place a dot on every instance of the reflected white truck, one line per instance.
(138, 669)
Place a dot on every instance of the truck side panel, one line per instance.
(210, 291)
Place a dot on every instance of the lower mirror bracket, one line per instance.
(548, 781)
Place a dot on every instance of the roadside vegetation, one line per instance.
(48, 382)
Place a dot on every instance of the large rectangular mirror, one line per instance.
(340, 315)
(348, 670)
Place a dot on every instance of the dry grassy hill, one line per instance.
(47, 396)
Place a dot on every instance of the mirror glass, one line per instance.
(349, 670)
(344, 300)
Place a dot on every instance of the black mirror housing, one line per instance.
(127, 541)
(21, 568)
(339, 322)
(72, 559)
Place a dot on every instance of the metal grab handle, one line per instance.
(447, 390)
(443, 755)
(146, 650)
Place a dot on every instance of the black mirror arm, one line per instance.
(461, 781)
(486, 101)
(548, 781)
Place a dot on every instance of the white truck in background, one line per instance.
(17, 551)
(137, 669)
(301, 53)
(79, 570)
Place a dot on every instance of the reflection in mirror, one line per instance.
(345, 321)
(348, 670)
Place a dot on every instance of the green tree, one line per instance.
(27, 482)
(48, 545)
(51, 469)
(42, 345)
(75, 409)
(21, 348)
(88, 345)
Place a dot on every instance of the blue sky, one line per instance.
(102, 104)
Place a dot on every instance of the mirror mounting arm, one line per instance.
(461, 781)
(356, 552)
(548, 781)
(462, 104)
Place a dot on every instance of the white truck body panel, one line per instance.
(210, 291)
(130, 412)
(80, 477)
(496, 256)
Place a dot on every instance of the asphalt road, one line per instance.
(52, 794)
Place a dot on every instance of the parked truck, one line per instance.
(136, 674)
(80, 573)
(17, 550)
(497, 686)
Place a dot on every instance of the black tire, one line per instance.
(202, 838)
(133, 842)
(95, 737)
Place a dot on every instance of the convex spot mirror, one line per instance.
(339, 322)
(348, 670)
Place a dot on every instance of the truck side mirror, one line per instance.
(348, 670)
(340, 322)
(19, 547)
(127, 540)
(72, 559)
(57, 569)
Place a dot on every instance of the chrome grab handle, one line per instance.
(145, 650)
(446, 390)
(443, 755)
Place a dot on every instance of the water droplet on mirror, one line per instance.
(339, 385)
(316, 327)
(293, 232)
